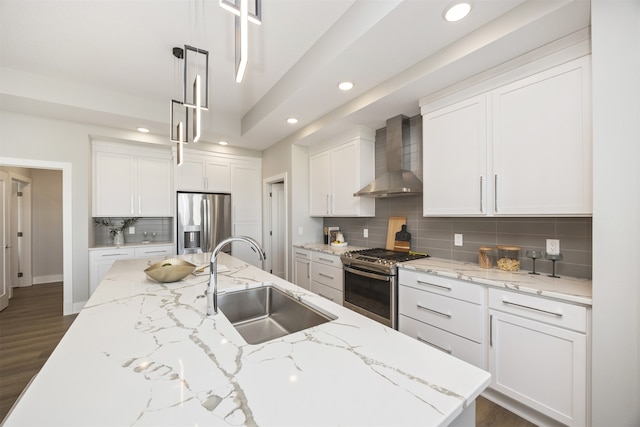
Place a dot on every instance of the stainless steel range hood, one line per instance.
(396, 181)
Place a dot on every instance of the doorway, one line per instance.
(275, 225)
(67, 220)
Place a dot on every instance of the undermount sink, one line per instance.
(265, 313)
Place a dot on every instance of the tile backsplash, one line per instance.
(436, 235)
(163, 227)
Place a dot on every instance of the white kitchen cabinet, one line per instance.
(455, 153)
(204, 172)
(101, 260)
(444, 313)
(523, 148)
(131, 180)
(337, 173)
(155, 250)
(327, 276)
(246, 206)
(542, 143)
(302, 268)
(538, 354)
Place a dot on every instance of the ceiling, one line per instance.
(110, 62)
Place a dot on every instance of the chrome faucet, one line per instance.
(212, 290)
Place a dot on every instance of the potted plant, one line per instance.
(116, 231)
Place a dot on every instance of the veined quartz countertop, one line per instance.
(145, 354)
(321, 247)
(566, 288)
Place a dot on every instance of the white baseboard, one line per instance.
(37, 280)
(76, 307)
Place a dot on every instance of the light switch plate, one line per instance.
(457, 239)
(365, 232)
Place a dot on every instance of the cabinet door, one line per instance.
(303, 273)
(191, 175)
(114, 185)
(246, 196)
(154, 187)
(320, 184)
(540, 365)
(455, 159)
(345, 175)
(218, 176)
(542, 143)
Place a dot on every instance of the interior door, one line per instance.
(5, 189)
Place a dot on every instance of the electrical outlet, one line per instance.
(553, 246)
(365, 232)
(457, 239)
(300, 230)
(132, 230)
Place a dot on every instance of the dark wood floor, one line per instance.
(33, 324)
(30, 329)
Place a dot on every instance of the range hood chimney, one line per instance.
(396, 181)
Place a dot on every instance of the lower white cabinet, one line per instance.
(444, 313)
(302, 268)
(101, 260)
(538, 354)
(327, 276)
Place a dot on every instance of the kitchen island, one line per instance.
(145, 353)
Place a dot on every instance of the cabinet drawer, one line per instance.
(152, 251)
(553, 312)
(327, 259)
(454, 345)
(112, 254)
(327, 292)
(330, 276)
(301, 254)
(459, 317)
(441, 285)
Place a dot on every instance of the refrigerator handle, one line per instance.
(204, 239)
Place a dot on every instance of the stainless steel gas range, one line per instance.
(370, 285)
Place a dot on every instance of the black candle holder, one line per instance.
(553, 258)
(533, 255)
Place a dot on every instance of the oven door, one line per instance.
(371, 294)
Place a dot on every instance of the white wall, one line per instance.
(46, 206)
(285, 157)
(616, 212)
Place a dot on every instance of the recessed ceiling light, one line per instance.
(292, 120)
(143, 130)
(223, 142)
(457, 11)
(345, 86)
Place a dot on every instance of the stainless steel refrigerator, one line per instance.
(203, 221)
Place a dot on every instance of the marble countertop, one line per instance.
(569, 289)
(145, 354)
(130, 245)
(321, 247)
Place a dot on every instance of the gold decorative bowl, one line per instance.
(170, 270)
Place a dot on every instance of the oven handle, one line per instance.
(368, 274)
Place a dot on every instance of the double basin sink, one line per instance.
(265, 313)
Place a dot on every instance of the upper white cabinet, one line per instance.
(131, 180)
(204, 172)
(335, 174)
(523, 148)
(455, 159)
